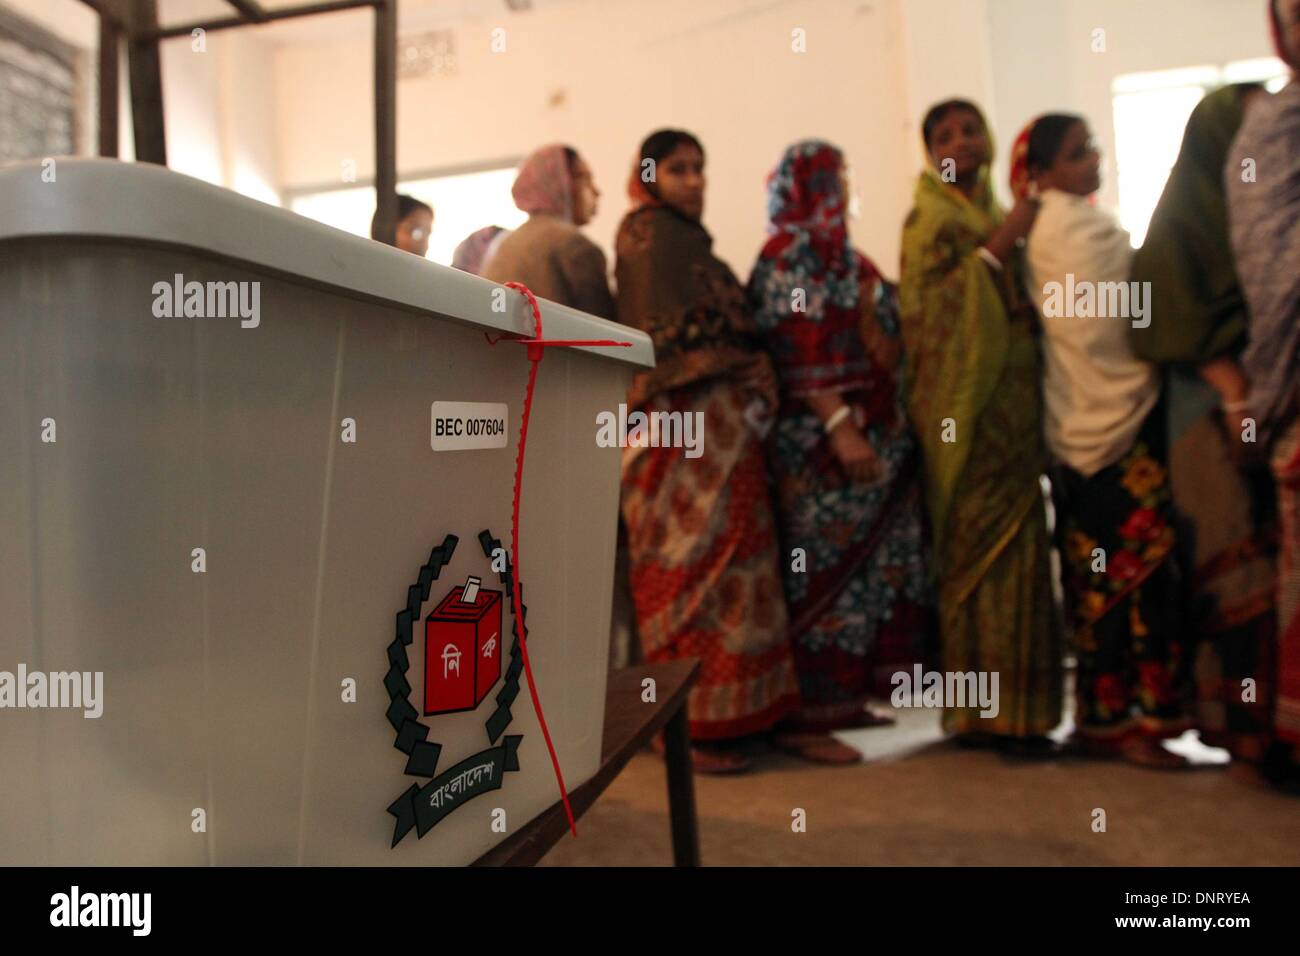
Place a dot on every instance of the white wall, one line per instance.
(266, 110)
(1020, 58)
(192, 106)
(248, 119)
(217, 104)
(601, 75)
(1043, 60)
(219, 112)
(947, 56)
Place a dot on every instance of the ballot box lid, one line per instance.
(146, 203)
(451, 608)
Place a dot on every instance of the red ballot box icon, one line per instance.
(462, 650)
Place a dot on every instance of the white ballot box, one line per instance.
(248, 465)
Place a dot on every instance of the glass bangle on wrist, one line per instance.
(837, 416)
(989, 258)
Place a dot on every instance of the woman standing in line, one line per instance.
(549, 253)
(476, 248)
(974, 398)
(1105, 427)
(1224, 502)
(701, 538)
(414, 225)
(1264, 218)
(842, 454)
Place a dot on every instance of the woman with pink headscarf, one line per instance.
(549, 253)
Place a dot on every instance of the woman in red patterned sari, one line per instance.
(844, 459)
(701, 538)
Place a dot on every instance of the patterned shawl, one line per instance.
(956, 327)
(1265, 227)
(672, 287)
(544, 184)
(816, 342)
(1275, 22)
(1199, 312)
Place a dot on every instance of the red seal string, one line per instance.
(535, 352)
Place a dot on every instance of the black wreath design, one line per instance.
(422, 753)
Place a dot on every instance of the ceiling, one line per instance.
(411, 13)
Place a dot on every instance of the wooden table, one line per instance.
(629, 725)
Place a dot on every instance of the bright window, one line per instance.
(1151, 112)
(462, 203)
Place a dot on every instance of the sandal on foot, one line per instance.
(1029, 748)
(859, 719)
(710, 758)
(720, 760)
(816, 748)
(1147, 752)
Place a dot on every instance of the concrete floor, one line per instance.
(920, 800)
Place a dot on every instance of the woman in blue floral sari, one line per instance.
(843, 458)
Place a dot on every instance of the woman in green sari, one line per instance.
(974, 400)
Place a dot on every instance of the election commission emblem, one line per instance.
(463, 644)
